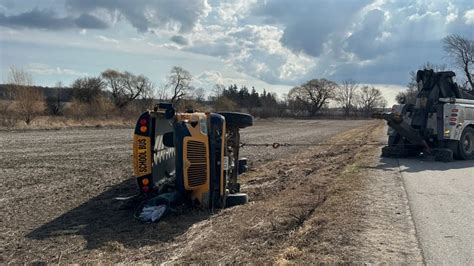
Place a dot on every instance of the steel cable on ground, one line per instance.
(277, 145)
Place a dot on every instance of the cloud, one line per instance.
(211, 77)
(288, 42)
(146, 15)
(469, 17)
(179, 40)
(107, 39)
(7, 4)
(49, 20)
(252, 49)
(169, 46)
(309, 24)
(366, 40)
(208, 79)
(86, 21)
(179, 16)
(44, 69)
(385, 40)
(36, 18)
(230, 12)
(279, 42)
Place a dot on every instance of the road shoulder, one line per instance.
(388, 232)
(369, 215)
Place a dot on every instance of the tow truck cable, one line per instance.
(277, 145)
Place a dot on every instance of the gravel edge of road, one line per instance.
(410, 207)
(382, 195)
(391, 173)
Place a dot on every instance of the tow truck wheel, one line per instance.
(453, 145)
(394, 140)
(466, 144)
(240, 120)
(236, 199)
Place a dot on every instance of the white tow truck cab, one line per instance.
(458, 114)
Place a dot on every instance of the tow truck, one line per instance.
(440, 123)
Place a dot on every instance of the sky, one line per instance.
(272, 45)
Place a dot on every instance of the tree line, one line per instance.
(317, 97)
(116, 93)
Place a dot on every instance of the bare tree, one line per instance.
(179, 82)
(370, 98)
(216, 93)
(218, 90)
(87, 90)
(407, 96)
(313, 95)
(147, 98)
(126, 87)
(162, 92)
(200, 95)
(462, 51)
(345, 95)
(54, 102)
(18, 77)
(28, 100)
(87, 98)
(224, 104)
(29, 103)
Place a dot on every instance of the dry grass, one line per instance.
(59, 122)
(100, 113)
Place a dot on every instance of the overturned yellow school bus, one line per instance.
(193, 154)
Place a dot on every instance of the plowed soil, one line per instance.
(58, 189)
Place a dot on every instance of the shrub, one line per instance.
(224, 104)
(29, 103)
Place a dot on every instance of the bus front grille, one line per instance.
(197, 157)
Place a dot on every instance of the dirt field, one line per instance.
(58, 189)
(289, 131)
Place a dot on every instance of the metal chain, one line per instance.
(277, 145)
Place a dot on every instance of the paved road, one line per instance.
(441, 197)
